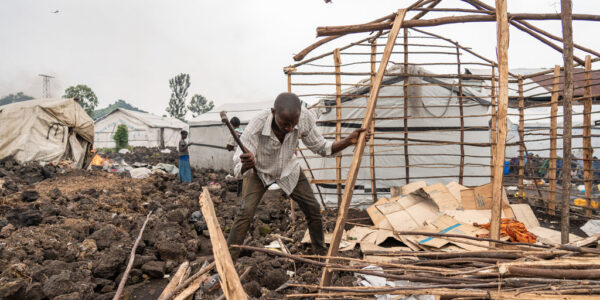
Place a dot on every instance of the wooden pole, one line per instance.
(567, 28)
(494, 117)
(360, 146)
(503, 39)
(230, 282)
(338, 123)
(522, 138)
(461, 171)
(177, 279)
(405, 109)
(372, 140)
(553, 131)
(588, 151)
(292, 210)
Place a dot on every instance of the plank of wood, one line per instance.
(494, 117)
(360, 146)
(189, 291)
(372, 140)
(553, 130)
(567, 29)
(292, 210)
(176, 280)
(230, 282)
(327, 181)
(405, 110)
(588, 150)
(462, 119)
(337, 61)
(502, 36)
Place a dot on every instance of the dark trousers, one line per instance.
(252, 193)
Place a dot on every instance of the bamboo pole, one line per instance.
(503, 39)
(230, 282)
(522, 140)
(462, 119)
(553, 131)
(588, 150)
(372, 140)
(346, 29)
(292, 210)
(338, 124)
(360, 147)
(567, 28)
(405, 108)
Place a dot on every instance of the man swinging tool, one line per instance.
(271, 139)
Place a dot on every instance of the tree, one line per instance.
(12, 98)
(121, 137)
(85, 95)
(199, 105)
(179, 86)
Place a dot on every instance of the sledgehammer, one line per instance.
(225, 120)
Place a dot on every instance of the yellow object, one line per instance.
(582, 202)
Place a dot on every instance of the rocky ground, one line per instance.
(67, 234)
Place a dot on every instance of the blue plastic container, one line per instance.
(506, 168)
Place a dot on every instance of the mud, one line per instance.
(68, 235)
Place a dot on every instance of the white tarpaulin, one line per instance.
(145, 129)
(46, 130)
(433, 115)
(209, 136)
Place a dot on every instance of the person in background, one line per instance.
(235, 122)
(231, 146)
(185, 171)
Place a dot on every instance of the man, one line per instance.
(235, 122)
(185, 171)
(271, 139)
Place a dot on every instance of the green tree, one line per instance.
(85, 95)
(121, 137)
(179, 86)
(199, 105)
(12, 98)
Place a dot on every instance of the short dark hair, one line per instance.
(287, 101)
(184, 132)
(235, 121)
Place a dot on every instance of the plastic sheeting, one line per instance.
(46, 130)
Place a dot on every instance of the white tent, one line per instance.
(433, 117)
(209, 136)
(145, 129)
(537, 127)
(46, 130)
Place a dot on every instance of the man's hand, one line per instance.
(229, 147)
(353, 137)
(248, 161)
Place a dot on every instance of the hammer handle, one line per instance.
(225, 120)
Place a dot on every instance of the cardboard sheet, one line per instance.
(481, 198)
(345, 244)
(524, 214)
(377, 217)
(447, 224)
(550, 236)
(413, 186)
(442, 197)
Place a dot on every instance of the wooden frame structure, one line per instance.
(343, 65)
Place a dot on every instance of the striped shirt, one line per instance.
(275, 161)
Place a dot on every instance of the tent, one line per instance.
(209, 136)
(145, 129)
(433, 117)
(46, 130)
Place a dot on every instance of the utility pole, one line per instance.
(46, 83)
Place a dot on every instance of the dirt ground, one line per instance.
(67, 234)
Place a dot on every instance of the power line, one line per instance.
(46, 84)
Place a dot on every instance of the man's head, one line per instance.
(286, 111)
(235, 122)
(184, 134)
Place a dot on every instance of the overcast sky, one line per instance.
(233, 50)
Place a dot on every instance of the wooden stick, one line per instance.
(337, 60)
(497, 188)
(292, 210)
(405, 109)
(175, 281)
(242, 277)
(553, 131)
(194, 278)
(341, 30)
(493, 131)
(360, 146)
(189, 291)
(567, 28)
(522, 141)
(230, 282)
(588, 151)
(372, 140)
(462, 119)
(131, 258)
(310, 170)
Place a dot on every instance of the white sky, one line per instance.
(233, 50)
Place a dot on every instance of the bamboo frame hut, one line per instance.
(388, 57)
